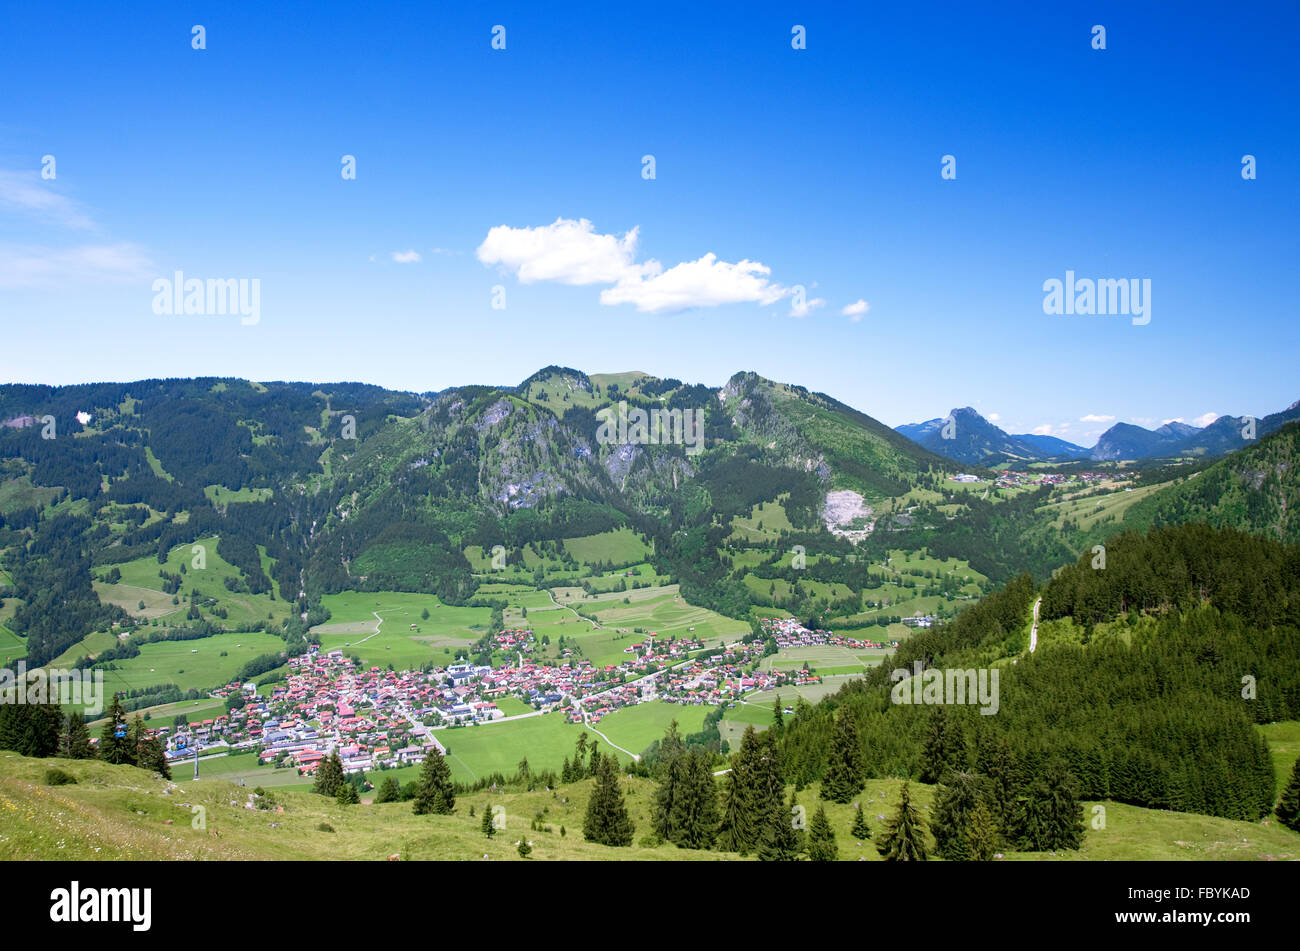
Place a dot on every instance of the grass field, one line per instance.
(191, 664)
(659, 610)
(1284, 745)
(619, 547)
(634, 728)
(220, 496)
(352, 626)
(122, 813)
(812, 692)
(140, 582)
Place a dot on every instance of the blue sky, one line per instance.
(815, 168)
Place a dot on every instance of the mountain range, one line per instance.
(967, 437)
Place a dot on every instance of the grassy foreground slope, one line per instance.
(120, 812)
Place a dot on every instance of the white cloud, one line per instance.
(806, 308)
(407, 257)
(572, 252)
(1176, 419)
(567, 252)
(1043, 430)
(1095, 418)
(706, 282)
(1205, 419)
(993, 417)
(87, 264)
(24, 192)
(855, 310)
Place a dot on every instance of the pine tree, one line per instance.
(982, 834)
(904, 836)
(607, 821)
(778, 715)
(580, 770)
(663, 809)
(778, 840)
(153, 756)
(843, 779)
(861, 830)
(329, 775)
(821, 838)
(669, 769)
(75, 741)
(348, 795)
(945, 746)
(487, 825)
(1288, 807)
(694, 819)
(955, 805)
(738, 828)
(434, 792)
(113, 741)
(1049, 817)
(389, 791)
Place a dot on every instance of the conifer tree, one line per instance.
(487, 825)
(945, 746)
(904, 836)
(348, 795)
(861, 830)
(669, 769)
(843, 779)
(821, 838)
(738, 828)
(434, 794)
(694, 819)
(75, 741)
(778, 715)
(153, 756)
(954, 808)
(982, 833)
(1049, 817)
(1288, 808)
(329, 775)
(389, 791)
(114, 744)
(778, 840)
(607, 821)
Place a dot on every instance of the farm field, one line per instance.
(164, 713)
(634, 728)
(477, 751)
(352, 627)
(191, 664)
(823, 658)
(619, 547)
(142, 573)
(812, 692)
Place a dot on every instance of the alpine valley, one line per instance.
(426, 604)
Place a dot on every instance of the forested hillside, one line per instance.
(1187, 638)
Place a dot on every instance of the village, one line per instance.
(380, 719)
